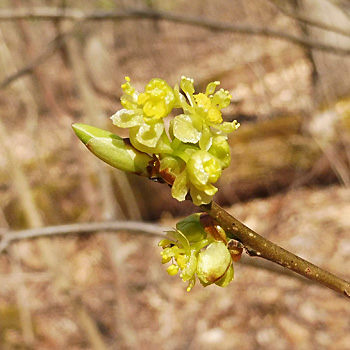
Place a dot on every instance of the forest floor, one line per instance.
(266, 307)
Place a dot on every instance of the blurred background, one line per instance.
(286, 64)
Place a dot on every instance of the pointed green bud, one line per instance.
(112, 149)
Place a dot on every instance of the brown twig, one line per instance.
(98, 15)
(259, 246)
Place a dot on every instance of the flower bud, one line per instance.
(112, 149)
(226, 278)
(172, 270)
(203, 170)
(213, 263)
(221, 150)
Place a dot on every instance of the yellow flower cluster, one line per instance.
(194, 251)
(194, 150)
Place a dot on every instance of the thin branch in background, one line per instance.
(311, 22)
(22, 298)
(50, 49)
(22, 87)
(81, 16)
(10, 237)
(74, 14)
(27, 34)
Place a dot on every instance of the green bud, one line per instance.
(204, 169)
(221, 150)
(213, 263)
(226, 278)
(112, 149)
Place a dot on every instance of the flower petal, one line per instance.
(191, 266)
(187, 87)
(180, 187)
(184, 130)
(196, 168)
(199, 197)
(181, 101)
(206, 139)
(221, 150)
(149, 135)
(126, 118)
(192, 228)
(222, 98)
(210, 190)
(162, 145)
(211, 87)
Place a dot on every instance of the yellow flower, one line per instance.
(201, 112)
(143, 115)
(213, 112)
(158, 100)
(194, 251)
(202, 170)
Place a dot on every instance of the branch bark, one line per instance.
(259, 246)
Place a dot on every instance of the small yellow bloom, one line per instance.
(157, 100)
(203, 101)
(143, 115)
(182, 261)
(202, 113)
(214, 115)
(213, 112)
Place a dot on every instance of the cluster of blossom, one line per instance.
(199, 251)
(190, 155)
(194, 150)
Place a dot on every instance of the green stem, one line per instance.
(257, 245)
